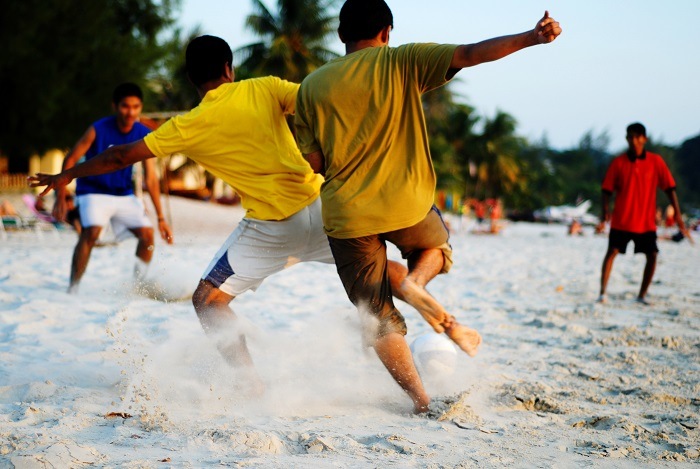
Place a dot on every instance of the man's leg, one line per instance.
(219, 321)
(81, 255)
(145, 247)
(394, 353)
(649, 269)
(428, 252)
(364, 271)
(605, 271)
(423, 266)
(144, 250)
(408, 285)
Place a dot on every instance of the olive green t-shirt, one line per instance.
(363, 111)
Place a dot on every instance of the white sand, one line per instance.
(559, 382)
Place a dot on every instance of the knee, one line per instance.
(207, 297)
(611, 254)
(200, 300)
(146, 236)
(389, 324)
(89, 236)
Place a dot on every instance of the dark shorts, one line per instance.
(643, 242)
(362, 266)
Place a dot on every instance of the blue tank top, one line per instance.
(107, 134)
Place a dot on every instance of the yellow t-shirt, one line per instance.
(364, 113)
(239, 133)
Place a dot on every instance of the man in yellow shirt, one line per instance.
(240, 134)
(360, 123)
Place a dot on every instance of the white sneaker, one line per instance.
(602, 299)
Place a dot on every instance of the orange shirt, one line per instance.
(635, 180)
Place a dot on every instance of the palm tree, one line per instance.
(293, 40)
(498, 169)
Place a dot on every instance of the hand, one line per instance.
(547, 29)
(682, 228)
(165, 231)
(51, 181)
(686, 233)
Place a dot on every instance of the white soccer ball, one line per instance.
(434, 354)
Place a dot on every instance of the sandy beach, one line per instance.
(114, 378)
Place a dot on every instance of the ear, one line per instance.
(383, 35)
(228, 72)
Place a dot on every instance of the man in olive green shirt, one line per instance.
(360, 123)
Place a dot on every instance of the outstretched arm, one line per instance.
(153, 188)
(468, 55)
(81, 147)
(112, 159)
(673, 198)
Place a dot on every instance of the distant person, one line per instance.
(109, 198)
(634, 178)
(239, 133)
(360, 123)
(7, 209)
(575, 228)
(480, 211)
(495, 215)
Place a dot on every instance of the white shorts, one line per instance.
(125, 212)
(257, 249)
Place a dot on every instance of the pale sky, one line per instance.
(617, 61)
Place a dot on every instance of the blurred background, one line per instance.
(531, 131)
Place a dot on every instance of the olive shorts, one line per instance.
(362, 266)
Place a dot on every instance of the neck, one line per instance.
(124, 127)
(212, 85)
(351, 47)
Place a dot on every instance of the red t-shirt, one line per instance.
(635, 183)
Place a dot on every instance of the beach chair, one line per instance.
(11, 223)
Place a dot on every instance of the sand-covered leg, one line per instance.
(394, 353)
(427, 306)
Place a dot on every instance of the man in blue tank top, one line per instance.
(109, 198)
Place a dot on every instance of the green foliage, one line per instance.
(61, 61)
(168, 87)
(687, 161)
(292, 40)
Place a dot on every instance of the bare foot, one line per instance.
(421, 407)
(603, 298)
(427, 306)
(467, 339)
(643, 301)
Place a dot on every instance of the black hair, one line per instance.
(363, 19)
(205, 59)
(636, 129)
(124, 90)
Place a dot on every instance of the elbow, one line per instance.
(118, 159)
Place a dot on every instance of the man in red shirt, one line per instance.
(634, 176)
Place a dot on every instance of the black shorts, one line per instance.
(643, 242)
